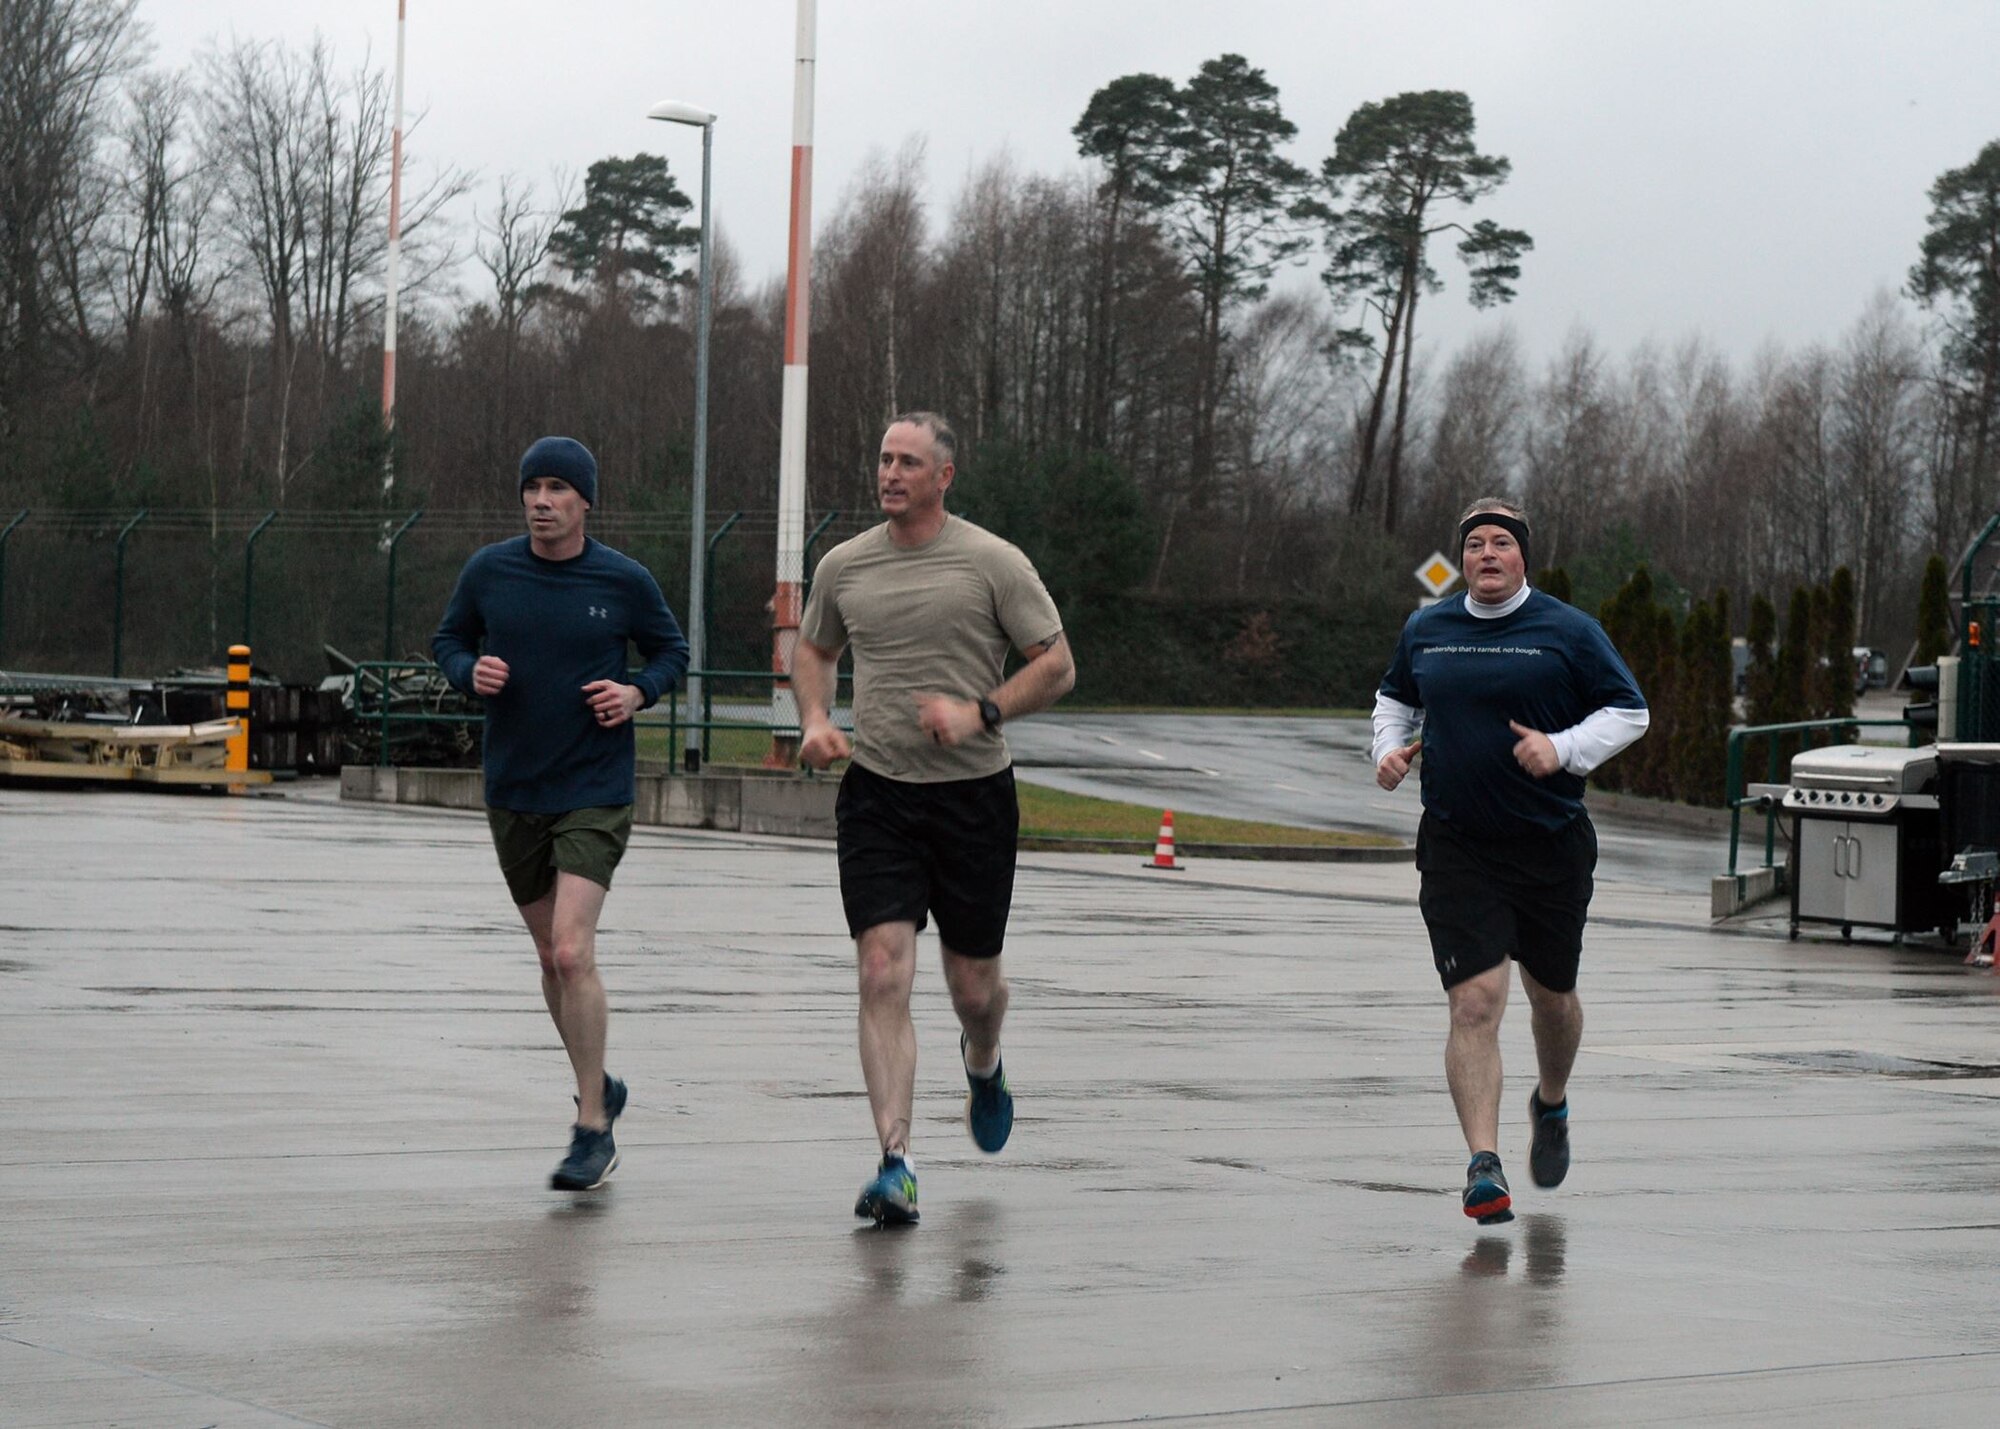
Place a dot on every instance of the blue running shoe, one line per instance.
(593, 1156)
(989, 1106)
(1486, 1196)
(891, 1198)
(1548, 1150)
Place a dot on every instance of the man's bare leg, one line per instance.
(979, 997)
(886, 960)
(540, 918)
(1557, 1020)
(563, 923)
(1472, 1056)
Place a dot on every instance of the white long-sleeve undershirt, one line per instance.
(1580, 748)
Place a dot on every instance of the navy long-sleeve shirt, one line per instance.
(1545, 665)
(559, 625)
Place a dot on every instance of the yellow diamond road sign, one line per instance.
(1437, 573)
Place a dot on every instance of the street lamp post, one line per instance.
(674, 112)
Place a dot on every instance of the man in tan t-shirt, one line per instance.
(931, 604)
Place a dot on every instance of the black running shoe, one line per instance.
(1548, 1152)
(593, 1156)
(1486, 1197)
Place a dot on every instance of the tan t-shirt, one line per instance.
(931, 619)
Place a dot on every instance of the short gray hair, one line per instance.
(1494, 503)
(944, 441)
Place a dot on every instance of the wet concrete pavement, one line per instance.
(281, 1100)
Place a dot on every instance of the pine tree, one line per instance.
(1933, 613)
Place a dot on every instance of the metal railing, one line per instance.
(1774, 734)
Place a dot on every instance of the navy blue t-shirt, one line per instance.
(1546, 665)
(559, 625)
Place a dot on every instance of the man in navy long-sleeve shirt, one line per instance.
(538, 627)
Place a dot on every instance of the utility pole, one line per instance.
(787, 607)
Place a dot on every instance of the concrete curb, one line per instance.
(780, 802)
(1731, 894)
(745, 801)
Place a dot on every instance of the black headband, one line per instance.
(1513, 525)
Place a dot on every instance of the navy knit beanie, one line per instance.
(564, 458)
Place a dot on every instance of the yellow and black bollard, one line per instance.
(237, 707)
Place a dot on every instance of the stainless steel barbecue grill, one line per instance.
(1867, 846)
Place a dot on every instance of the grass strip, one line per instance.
(1052, 813)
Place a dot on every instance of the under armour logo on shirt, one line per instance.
(600, 612)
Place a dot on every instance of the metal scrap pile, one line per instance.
(408, 705)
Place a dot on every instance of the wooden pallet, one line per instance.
(122, 753)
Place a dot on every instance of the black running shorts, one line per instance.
(1526, 898)
(911, 850)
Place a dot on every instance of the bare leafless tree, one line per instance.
(1878, 440)
(870, 264)
(1576, 451)
(1478, 424)
(60, 62)
(303, 155)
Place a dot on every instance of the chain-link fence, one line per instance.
(143, 592)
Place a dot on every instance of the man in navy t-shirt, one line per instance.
(538, 627)
(1512, 697)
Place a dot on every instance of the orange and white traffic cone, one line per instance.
(1163, 847)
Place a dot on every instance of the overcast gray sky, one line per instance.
(1748, 170)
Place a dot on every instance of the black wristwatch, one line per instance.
(989, 715)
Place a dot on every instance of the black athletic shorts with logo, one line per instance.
(1524, 898)
(911, 850)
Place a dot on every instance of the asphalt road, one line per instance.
(1314, 773)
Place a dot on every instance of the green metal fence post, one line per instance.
(708, 617)
(382, 688)
(389, 620)
(1970, 560)
(118, 601)
(249, 553)
(1770, 816)
(1732, 789)
(806, 551)
(4, 534)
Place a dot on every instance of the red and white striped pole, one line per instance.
(787, 606)
(395, 259)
